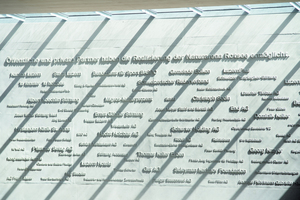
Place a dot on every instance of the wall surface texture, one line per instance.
(187, 108)
(48, 6)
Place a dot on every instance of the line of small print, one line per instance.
(175, 120)
(228, 119)
(172, 82)
(247, 78)
(184, 109)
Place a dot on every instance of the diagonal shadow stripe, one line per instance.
(181, 90)
(235, 138)
(26, 67)
(293, 193)
(143, 136)
(120, 110)
(251, 177)
(90, 93)
(10, 34)
(124, 105)
(163, 167)
(15, 81)
(233, 84)
(89, 41)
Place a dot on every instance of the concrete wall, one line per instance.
(54, 110)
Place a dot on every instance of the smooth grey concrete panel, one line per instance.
(117, 129)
